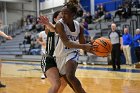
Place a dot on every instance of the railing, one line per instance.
(134, 26)
(138, 19)
(11, 29)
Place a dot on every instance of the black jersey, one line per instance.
(50, 44)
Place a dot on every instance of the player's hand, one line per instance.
(90, 48)
(9, 38)
(43, 20)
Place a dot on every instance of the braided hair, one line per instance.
(74, 1)
(72, 6)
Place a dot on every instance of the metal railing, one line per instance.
(134, 26)
(11, 29)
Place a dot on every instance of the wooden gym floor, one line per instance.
(24, 77)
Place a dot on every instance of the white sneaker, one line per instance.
(84, 63)
(43, 76)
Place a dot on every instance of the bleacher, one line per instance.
(17, 49)
(102, 28)
(11, 47)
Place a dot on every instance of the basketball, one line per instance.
(104, 47)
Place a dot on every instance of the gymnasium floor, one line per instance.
(24, 77)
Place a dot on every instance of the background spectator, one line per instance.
(127, 43)
(107, 16)
(119, 12)
(136, 40)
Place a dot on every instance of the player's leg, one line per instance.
(53, 76)
(1, 85)
(63, 85)
(43, 54)
(118, 57)
(64, 76)
(113, 58)
(61, 66)
(70, 74)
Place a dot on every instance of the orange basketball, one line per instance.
(104, 47)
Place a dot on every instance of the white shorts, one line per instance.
(43, 51)
(61, 61)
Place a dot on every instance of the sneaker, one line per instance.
(2, 86)
(43, 76)
(84, 63)
(119, 67)
(114, 69)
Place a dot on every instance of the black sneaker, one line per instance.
(119, 68)
(2, 86)
(114, 68)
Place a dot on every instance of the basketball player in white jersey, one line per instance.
(71, 39)
(42, 37)
(66, 51)
(7, 37)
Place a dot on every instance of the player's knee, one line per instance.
(56, 85)
(63, 82)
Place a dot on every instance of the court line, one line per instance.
(79, 67)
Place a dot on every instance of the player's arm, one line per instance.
(44, 20)
(51, 27)
(5, 36)
(67, 42)
(81, 35)
(40, 40)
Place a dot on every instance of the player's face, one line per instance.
(66, 15)
(59, 16)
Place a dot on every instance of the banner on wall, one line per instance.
(47, 4)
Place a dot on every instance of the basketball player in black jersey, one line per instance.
(57, 83)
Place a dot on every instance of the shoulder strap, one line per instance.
(118, 32)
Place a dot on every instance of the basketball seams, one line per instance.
(102, 46)
(109, 47)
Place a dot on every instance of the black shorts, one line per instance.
(50, 62)
(47, 63)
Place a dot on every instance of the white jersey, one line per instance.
(43, 35)
(61, 50)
